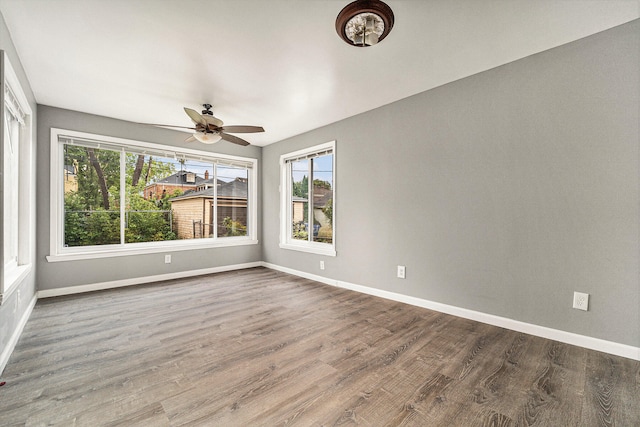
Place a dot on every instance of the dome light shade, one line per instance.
(364, 23)
(207, 138)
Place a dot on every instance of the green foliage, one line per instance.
(84, 227)
(318, 183)
(164, 203)
(88, 184)
(325, 235)
(152, 171)
(301, 188)
(233, 228)
(299, 231)
(145, 225)
(88, 223)
(328, 210)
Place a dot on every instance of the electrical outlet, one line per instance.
(167, 259)
(581, 301)
(321, 265)
(401, 272)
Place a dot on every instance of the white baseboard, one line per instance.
(70, 290)
(15, 336)
(597, 344)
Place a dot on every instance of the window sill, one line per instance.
(13, 280)
(319, 248)
(136, 249)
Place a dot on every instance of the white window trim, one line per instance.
(57, 252)
(327, 249)
(9, 280)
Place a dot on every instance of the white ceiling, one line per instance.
(274, 63)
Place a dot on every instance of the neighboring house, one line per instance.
(193, 212)
(298, 209)
(321, 197)
(207, 182)
(70, 178)
(183, 181)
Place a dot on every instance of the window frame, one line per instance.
(57, 251)
(24, 223)
(286, 204)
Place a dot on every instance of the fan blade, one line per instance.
(243, 129)
(191, 139)
(166, 126)
(195, 116)
(212, 120)
(233, 139)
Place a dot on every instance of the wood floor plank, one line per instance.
(260, 347)
(611, 391)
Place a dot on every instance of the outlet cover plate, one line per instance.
(167, 259)
(581, 301)
(401, 272)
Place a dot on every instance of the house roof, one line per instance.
(321, 199)
(236, 189)
(179, 178)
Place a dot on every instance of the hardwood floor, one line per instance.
(259, 347)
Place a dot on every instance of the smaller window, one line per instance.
(307, 196)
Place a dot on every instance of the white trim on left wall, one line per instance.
(8, 349)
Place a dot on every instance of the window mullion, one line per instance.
(310, 201)
(123, 195)
(215, 201)
(287, 186)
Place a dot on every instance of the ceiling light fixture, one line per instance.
(207, 137)
(364, 22)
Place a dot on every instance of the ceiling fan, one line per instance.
(210, 129)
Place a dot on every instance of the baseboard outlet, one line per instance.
(591, 343)
(70, 290)
(15, 336)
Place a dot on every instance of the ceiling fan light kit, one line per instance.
(364, 23)
(209, 129)
(207, 138)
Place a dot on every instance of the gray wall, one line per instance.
(14, 308)
(53, 275)
(502, 193)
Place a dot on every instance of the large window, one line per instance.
(16, 178)
(308, 200)
(111, 196)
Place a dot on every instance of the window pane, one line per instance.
(300, 199)
(91, 196)
(323, 199)
(187, 191)
(233, 186)
(10, 192)
(148, 216)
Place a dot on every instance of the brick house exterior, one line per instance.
(183, 181)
